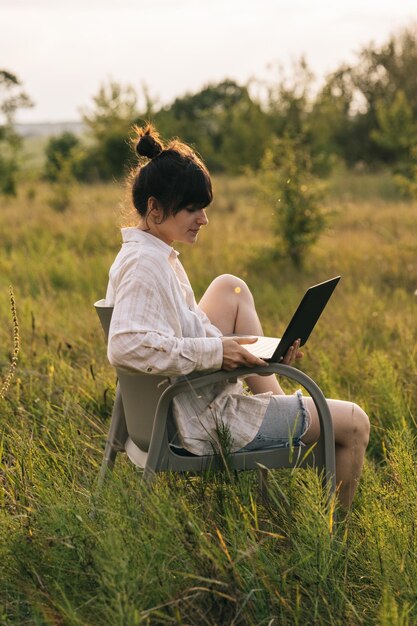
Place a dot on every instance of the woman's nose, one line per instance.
(202, 217)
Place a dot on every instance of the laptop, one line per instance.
(274, 349)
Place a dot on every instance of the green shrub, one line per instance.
(296, 196)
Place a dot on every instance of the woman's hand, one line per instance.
(293, 353)
(235, 355)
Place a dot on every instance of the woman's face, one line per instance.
(183, 227)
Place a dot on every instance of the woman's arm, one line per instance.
(153, 353)
(145, 332)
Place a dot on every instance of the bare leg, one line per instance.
(351, 433)
(229, 305)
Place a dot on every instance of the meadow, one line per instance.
(205, 550)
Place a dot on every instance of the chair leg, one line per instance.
(115, 439)
(106, 466)
(148, 476)
(107, 463)
(263, 484)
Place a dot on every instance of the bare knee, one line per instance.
(350, 423)
(360, 424)
(231, 284)
(229, 305)
(232, 289)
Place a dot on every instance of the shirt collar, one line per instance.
(140, 236)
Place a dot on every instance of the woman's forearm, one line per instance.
(153, 353)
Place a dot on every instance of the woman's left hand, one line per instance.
(293, 353)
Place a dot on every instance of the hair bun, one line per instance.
(148, 144)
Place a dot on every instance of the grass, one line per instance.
(204, 550)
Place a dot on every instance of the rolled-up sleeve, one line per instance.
(145, 332)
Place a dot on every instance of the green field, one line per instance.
(205, 550)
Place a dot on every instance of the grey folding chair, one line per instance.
(143, 427)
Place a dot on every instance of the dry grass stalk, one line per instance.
(16, 346)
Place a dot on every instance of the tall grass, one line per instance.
(205, 550)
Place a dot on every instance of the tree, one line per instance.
(108, 126)
(329, 124)
(380, 74)
(222, 122)
(12, 98)
(383, 71)
(397, 130)
(289, 100)
(315, 122)
(245, 137)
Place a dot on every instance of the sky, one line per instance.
(64, 50)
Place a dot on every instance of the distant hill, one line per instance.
(47, 129)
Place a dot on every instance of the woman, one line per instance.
(157, 326)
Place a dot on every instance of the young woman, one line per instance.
(157, 326)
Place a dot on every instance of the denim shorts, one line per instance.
(286, 420)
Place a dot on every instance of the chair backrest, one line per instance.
(104, 313)
(140, 392)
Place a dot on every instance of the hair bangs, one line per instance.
(194, 189)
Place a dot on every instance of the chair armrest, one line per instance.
(158, 431)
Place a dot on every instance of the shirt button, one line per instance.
(149, 370)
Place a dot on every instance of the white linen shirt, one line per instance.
(158, 328)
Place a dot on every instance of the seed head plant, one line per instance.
(16, 347)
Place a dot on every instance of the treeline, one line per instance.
(363, 113)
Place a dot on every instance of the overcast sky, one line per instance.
(63, 50)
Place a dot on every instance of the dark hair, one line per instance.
(175, 175)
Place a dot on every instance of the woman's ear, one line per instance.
(154, 210)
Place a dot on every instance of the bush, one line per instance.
(287, 181)
(406, 176)
(58, 152)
